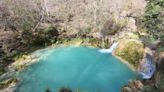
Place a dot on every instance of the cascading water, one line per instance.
(147, 69)
(110, 50)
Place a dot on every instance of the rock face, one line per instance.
(130, 50)
(160, 62)
(159, 75)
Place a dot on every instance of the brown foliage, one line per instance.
(8, 41)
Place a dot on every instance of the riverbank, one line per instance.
(25, 60)
(126, 62)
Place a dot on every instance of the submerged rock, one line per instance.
(65, 90)
(127, 89)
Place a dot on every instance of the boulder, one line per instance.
(133, 86)
(130, 50)
(127, 89)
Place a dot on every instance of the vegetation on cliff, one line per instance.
(154, 19)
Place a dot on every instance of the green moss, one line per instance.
(130, 50)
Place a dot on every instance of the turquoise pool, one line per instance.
(80, 68)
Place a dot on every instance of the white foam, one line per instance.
(110, 50)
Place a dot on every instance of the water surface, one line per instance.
(76, 68)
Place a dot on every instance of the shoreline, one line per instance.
(33, 57)
(126, 62)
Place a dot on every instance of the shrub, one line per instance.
(154, 18)
(42, 37)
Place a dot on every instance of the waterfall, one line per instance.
(110, 50)
(148, 68)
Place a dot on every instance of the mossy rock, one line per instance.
(130, 50)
